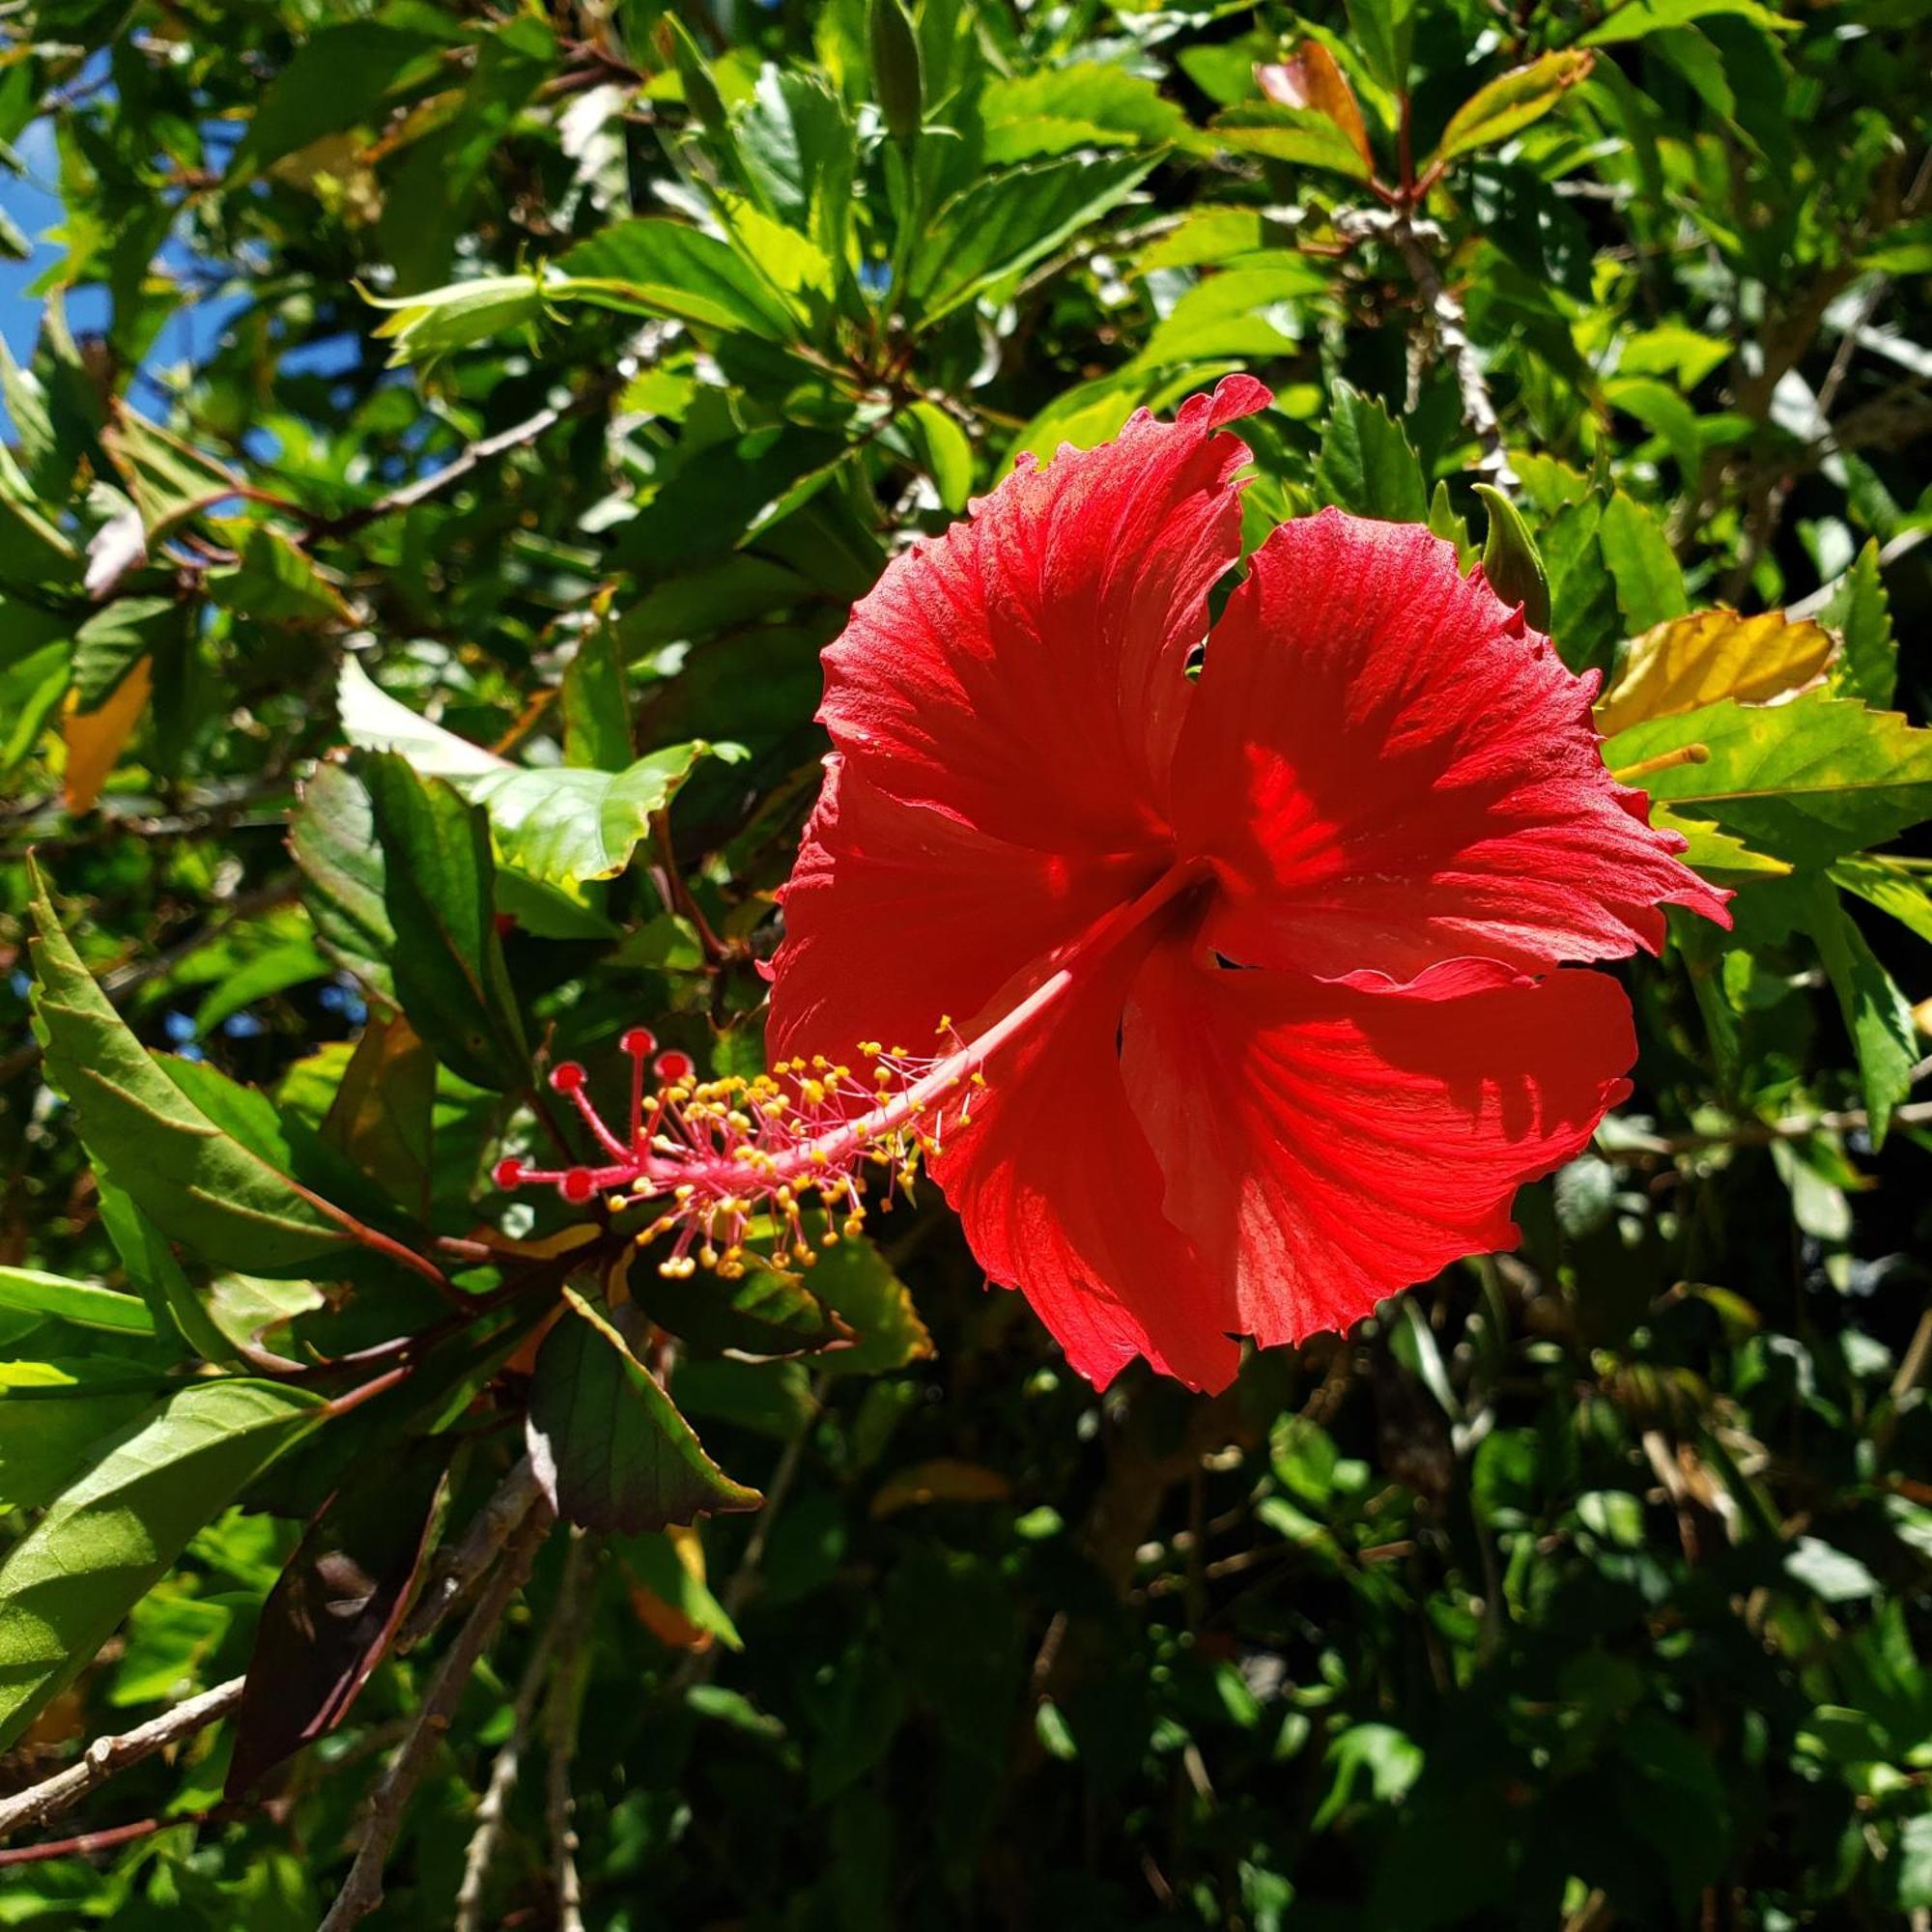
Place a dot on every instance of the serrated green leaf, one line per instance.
(852, 1279)
(197, 1184)
(332, 840)
(1365, 464)
(564, 827)
(1809, 780)
(1861, 613)
(1649, 584)
(1900, 886)
(1003, 225)
(107, 1540)
(606, 1442)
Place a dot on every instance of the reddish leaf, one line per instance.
(331, 1616)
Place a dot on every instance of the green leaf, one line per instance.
(594, 703)
(1632, 20)
(1662, 409)
(1384, 30)
(1650, 586)
(1303, 137)
(766, 1313)
(852, 1279)
(1254, 311)
(332, 841)
(105, 1542)
(193, 1180)
(1896, 886)
(607, 1446)
(53, 1414)
(1087, 104)
(1809, 780)
(438, 889)
(429, 325)
(109, 644)
(29, 1292)
(1705, 849)
(1511, 563)
(897, 75)
(564, 827)
(655, 267)
(1585, 621)
(1861, 613)
(657, 1562)
(1877, 1015)
(1509, 104)
(944, 452)
(373, 721)
(168, 480)
(1365, 464)
(1004, 224)
(278, 583)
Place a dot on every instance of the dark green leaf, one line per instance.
(1511, 561)
(438, 889)
(607, 1446)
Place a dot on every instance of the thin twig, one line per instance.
(363, 1890)
(105, 1756)
(492, 1812)
(561, 1721)
(453, 1574)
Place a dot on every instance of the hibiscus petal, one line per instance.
(1392, 771)
(1060, 1194)
(1026, 673)
(898, 918)
(1325, 1146)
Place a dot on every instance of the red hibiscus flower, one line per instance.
(1295, 936)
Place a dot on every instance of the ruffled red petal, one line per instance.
(1025, 673)
(1324, 1147)
(1392, 771)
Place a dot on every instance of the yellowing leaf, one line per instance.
(1687, 662)
(96, 739)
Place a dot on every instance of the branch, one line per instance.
(362, 1891)
(453, 1574)
(561, 1716)
(1412, 240)
(482, 1546)
(490, 1813)
(105, 1756)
